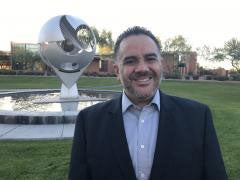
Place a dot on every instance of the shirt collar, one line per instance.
(126, 103)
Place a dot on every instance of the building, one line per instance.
(25, 57)
(190, 61)
(184, 64)
(219, 72)
(5, 60)
(100, 66)
(169, 63)
(172, 64)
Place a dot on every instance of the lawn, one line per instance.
(38, 82)
(49, 159)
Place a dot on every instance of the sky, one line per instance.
(201, 22)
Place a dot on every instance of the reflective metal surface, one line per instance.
(68, 45)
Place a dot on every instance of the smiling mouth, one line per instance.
(145, 79)
(141, 77)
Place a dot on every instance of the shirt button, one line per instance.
(142, 146)
(142, 175)
(142, 121)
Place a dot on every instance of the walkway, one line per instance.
(36, 132)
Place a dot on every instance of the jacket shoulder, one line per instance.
(182, 102)
(103, 106)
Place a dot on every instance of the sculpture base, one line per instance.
(69, 93)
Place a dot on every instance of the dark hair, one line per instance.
(136, 30)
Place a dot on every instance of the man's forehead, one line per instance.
(138, 41)
(135, 37)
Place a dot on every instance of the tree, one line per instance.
(160, 42)
(178, 45)
(211, 54)
(204, 52)
(96, 33)
(232, 53)
(25, 59)
(104, 41)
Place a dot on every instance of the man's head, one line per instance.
(136, 30)
(138, 64)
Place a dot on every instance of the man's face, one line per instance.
(139, 68)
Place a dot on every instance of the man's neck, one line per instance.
(141, 102)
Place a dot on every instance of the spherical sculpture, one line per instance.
(68, 45)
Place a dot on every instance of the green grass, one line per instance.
(34, 160)
(40, 82)
(50, 159)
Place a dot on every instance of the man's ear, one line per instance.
(116, 70)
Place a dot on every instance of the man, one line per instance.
(144, 134)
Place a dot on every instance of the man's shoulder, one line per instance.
(103, 106)
(177, 101)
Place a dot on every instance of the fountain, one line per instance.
(67, 45)
(25, 107)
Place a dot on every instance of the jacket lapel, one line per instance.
(163, 143)
(119, 141)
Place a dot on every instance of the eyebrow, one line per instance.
(130, 57)
(150, 54)
(145, 56)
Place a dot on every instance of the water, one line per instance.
(28, 107)
(26, 102)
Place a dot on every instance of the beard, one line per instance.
(137, 93)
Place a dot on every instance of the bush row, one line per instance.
(39, 73)
(20, 72)
(99, 74)
(232, 77)
(177, 76)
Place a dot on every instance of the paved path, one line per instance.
(36, 132)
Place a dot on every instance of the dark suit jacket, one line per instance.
(186, 149)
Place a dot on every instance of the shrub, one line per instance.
(20, 72)
(173, 76)
(195, 77)
(7, 72)
(99, 74)
(235, 77)
(209, 77)
(187, 77)
(221, 78)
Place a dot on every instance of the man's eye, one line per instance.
(151, 59)
(129, 62)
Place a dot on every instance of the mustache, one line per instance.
(137, 75)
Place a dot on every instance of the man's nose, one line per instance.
(142, 66)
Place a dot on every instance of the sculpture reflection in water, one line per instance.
(20, 107)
